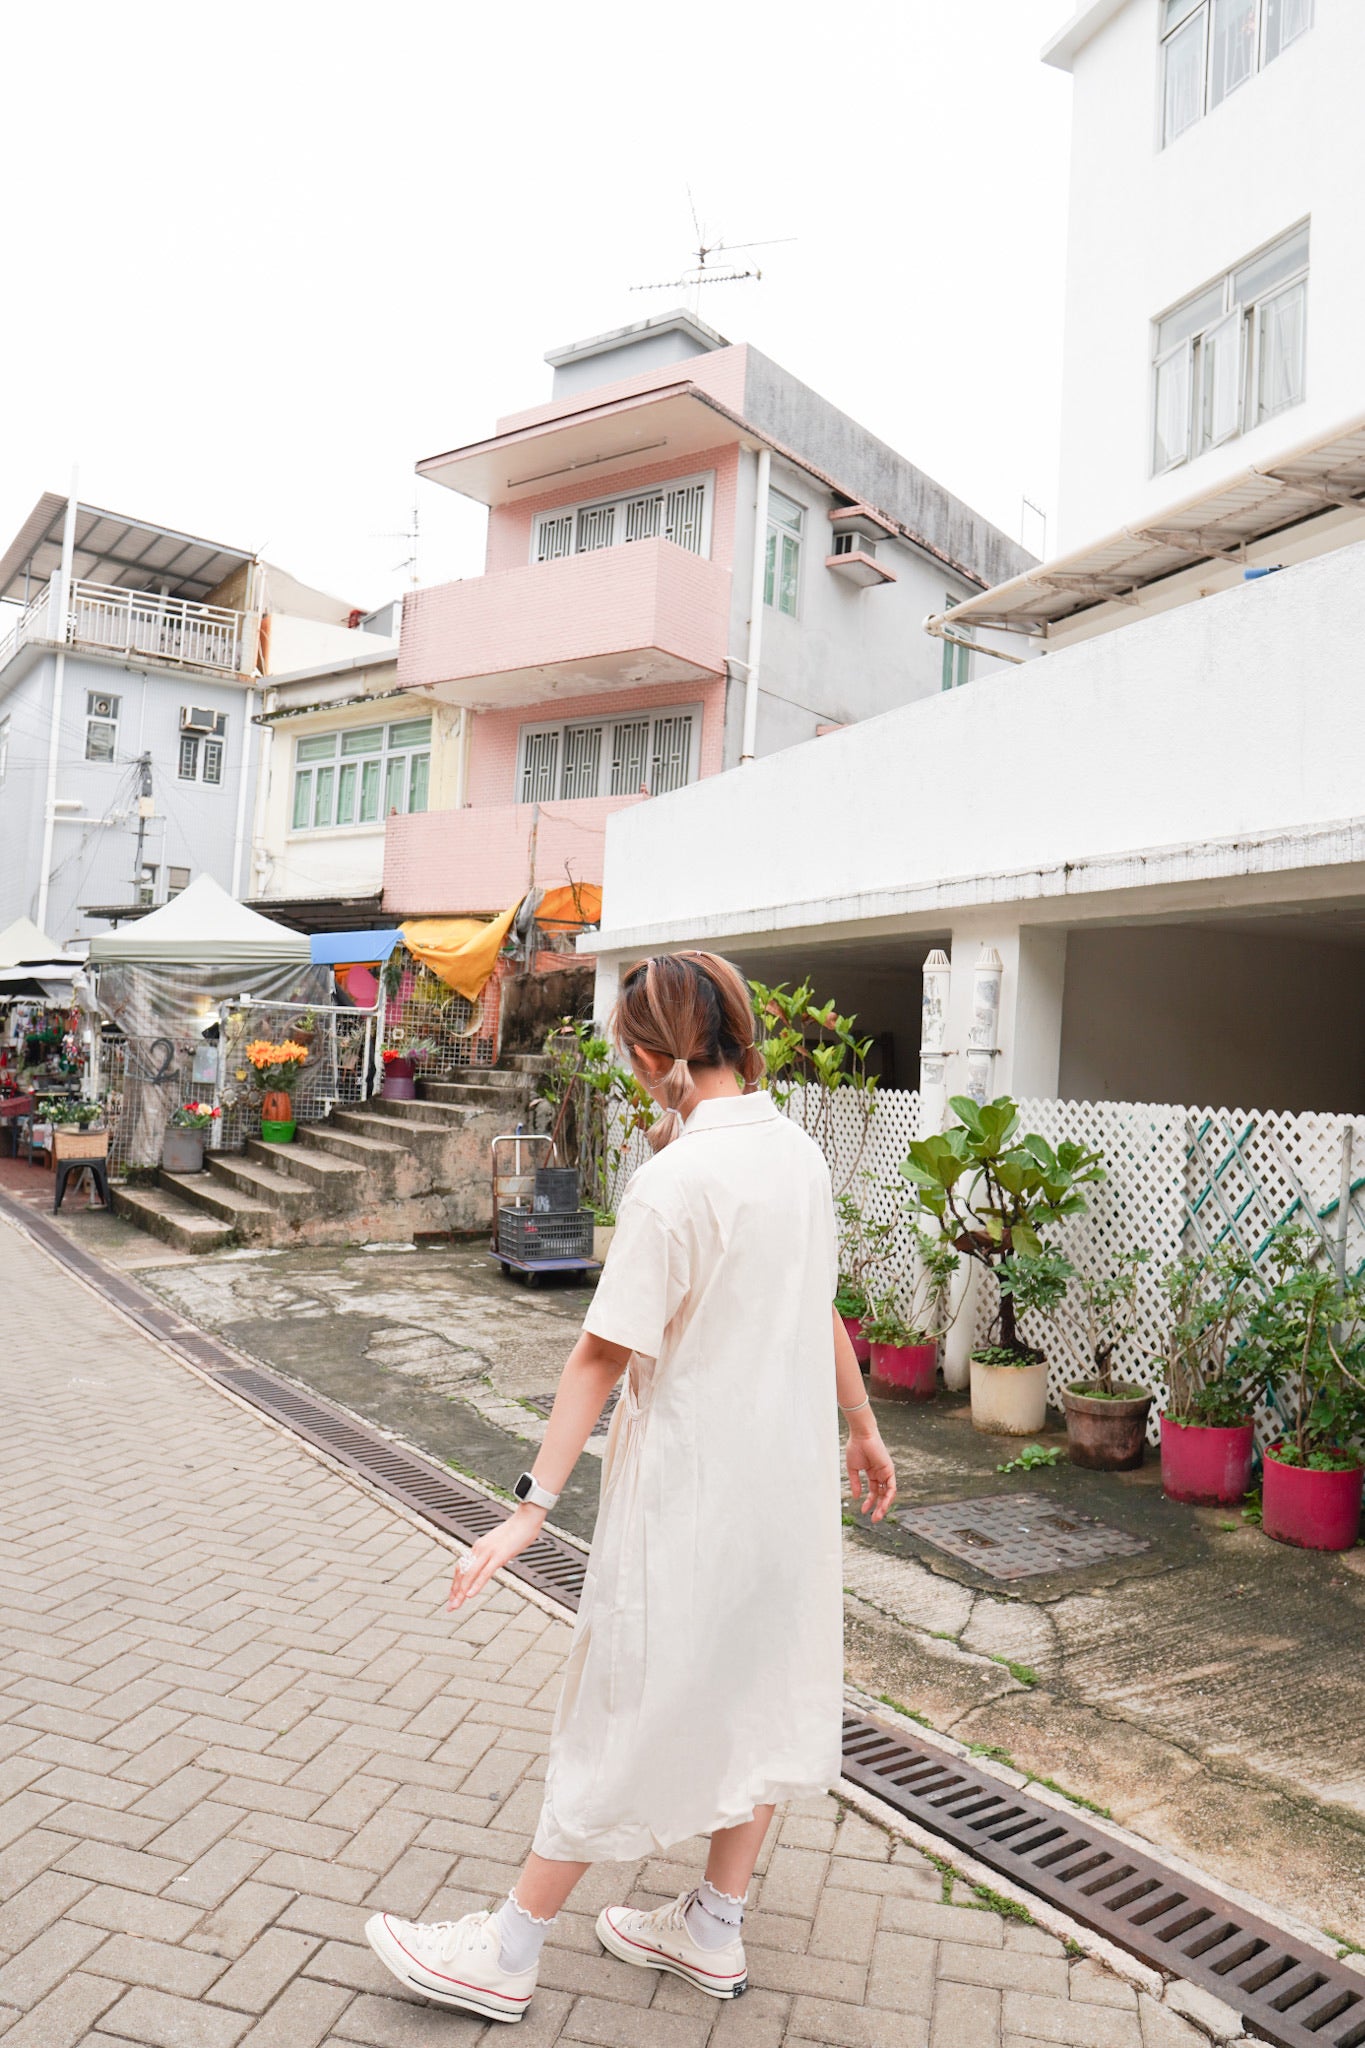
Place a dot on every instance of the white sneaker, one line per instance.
(661, 1940)
(453, 1962)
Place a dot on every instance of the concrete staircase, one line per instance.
(381, 1172)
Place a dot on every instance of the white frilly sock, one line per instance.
(521, 1936)
(714, 1918)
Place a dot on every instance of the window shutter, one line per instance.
(629, 756)
(582, 760)
(555, 537)
(1221, 358)
(1280, 350)
(643, 516)
(672, 753)
(596, 527)
(539, 763)
(1172, 424)
(683, 517)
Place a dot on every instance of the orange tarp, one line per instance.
(570, 906)
(462, 951)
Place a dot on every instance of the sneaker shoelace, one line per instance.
(449, 1936)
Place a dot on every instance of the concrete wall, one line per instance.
(1112, 764)
(1217, 1018)
(452, 863)
(93, 848)
(1148, 226)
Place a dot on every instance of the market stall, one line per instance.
(45, 1032)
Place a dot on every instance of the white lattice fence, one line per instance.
(340, 1067)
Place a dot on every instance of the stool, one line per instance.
(98, 1169)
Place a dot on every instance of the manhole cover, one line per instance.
(1009, 1536)
(543, 1403)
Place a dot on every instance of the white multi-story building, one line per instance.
(1159, 826)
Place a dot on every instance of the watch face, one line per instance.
(523, 1486)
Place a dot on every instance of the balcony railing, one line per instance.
(137, 622)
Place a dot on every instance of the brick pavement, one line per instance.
(234, 1717)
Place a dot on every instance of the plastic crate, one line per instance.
(556, 1190)
(523, 1234)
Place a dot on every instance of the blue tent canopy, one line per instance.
(342, 949)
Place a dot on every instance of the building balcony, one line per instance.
(483, 858)
(618, 618)
(140, 625)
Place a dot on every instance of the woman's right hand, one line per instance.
(492, 1552)
(871, 1473)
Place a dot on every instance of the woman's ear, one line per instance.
(652, 1065)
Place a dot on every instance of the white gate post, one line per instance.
(983, 1033)
(933, 1057)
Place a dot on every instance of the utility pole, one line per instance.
(59, 612)
(144, 812)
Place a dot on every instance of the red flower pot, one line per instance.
(1206, 1465)
(862, 1350)
(1315, 1510)
(903, 1372)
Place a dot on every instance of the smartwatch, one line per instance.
(527, 1489)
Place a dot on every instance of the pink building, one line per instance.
(692, 560)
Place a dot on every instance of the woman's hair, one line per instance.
(693, 1009)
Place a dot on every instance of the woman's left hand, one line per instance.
(492, 1552)
(871, 1474)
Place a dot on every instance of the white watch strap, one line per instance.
(529, 1490)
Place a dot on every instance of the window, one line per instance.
(1210, 47)
(213, 760)
(176, 880)
(782, 563)
(957, 660)
(680, 512)
(188, 768)
(1232, 355)
(146, 887)
(651, 751)
(359, 776)
(4, 749)
(101, 725)
(202, 744)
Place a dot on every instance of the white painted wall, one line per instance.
(1148, 226)
(1212, 741)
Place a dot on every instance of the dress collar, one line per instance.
(721, 1112)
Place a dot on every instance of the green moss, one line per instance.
(999, 1756)
(1076, 1798)
(987, 1901)
(899, 1708)
(1022, 1674)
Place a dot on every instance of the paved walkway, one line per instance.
(234, 1717)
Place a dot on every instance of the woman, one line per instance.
(705, 1680)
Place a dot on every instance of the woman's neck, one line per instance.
(710, 1082)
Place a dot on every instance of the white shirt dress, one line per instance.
(705, 1676)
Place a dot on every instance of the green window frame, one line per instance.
(957, 661)
(357, 776)
(782, 556)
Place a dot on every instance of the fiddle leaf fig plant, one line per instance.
(995, 1194)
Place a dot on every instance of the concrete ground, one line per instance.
(234, 1718)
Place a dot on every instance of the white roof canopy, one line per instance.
(1316, 477)
(110, 548)
(202, 927)
(22, 943)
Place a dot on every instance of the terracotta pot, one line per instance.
(1203, 1463)
(903, 1372)
(1009, 1400)
(182, 1151)
(862, 1350)
(276, 1106)
(1315, 1510)
(277, 1131)
(1105, 1435)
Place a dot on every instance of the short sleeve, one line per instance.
(643, 1283)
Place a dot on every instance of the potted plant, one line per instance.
(1208, 1436)
(182, 1147)
(863, 1247)
(904, 1346)
(400, 1076)
(73, 1128)
(1306, 1336)
(993, 1194)
(1106, 1418)
(599, 1108)
(277, 1069)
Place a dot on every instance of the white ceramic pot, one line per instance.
(1009, 1400)
(602, 1235)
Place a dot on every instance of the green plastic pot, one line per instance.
(276, 1133)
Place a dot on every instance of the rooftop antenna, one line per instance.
(705, 271)
(411, 535)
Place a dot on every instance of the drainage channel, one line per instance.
(1287, 1991)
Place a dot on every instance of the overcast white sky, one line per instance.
(264, 258)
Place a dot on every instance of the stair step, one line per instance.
(393, 1132)
(205, 1191)
(166, 1216)
(351, 1144)
(303, 1162)
(443, 1116)
(275, 1189)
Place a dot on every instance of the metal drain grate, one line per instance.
(550, 1565)
(1017, 1535)
(543, 1403)
(1287, 1991)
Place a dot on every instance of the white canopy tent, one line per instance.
(33, 964)
(202, 927)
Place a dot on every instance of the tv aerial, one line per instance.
(411, 535)
(705, 270)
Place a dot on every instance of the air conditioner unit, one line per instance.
(197, 719)
(101, 707)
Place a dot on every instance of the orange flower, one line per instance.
(289, 1052)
